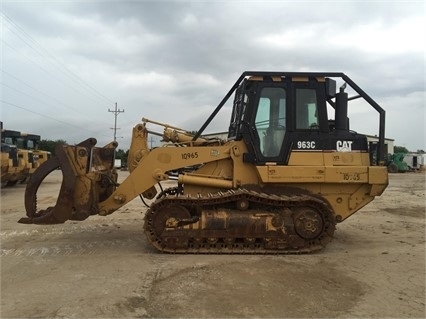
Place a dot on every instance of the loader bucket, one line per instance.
(88, 177)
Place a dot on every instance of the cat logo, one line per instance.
(344, 146)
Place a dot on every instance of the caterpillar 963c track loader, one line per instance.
(279, 183)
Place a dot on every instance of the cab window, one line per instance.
(270, 121)
(306, 109)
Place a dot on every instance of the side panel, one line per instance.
(315, 174)
(342, 178)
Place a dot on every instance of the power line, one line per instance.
(20, 33)
(40, 92)
(53, 60)
(49, 73)
(116, 112)
(44, 115)
(32, 97)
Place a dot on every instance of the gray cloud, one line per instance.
(173, 61)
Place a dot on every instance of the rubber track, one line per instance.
(221, 198)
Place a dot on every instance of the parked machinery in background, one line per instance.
(20, 156)
(16, 163)
(395, 163)
(31, 142)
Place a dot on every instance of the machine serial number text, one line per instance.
(186, 156)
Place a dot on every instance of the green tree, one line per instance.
(121, 154)
(50, 145)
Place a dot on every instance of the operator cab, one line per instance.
(277, 115)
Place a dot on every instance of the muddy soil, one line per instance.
(104, 267)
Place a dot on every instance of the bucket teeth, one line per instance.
(32, 187)
(43, 217)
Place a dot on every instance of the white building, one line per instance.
(373, 140)
(415, 161)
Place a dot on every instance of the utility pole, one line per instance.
(116, 112)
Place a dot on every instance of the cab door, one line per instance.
(268, 122)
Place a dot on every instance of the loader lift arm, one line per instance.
(162, 160)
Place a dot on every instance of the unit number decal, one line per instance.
(186, 156)
(351, 176)
(306, 144)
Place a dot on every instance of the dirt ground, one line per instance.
(104, 268)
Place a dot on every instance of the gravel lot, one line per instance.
(104, 267)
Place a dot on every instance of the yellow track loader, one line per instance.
(16, 163)
(284, 176)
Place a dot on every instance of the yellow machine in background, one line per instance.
(10, 166)
(20, 156)
(31, 142)
(16, 163)
(286, 174)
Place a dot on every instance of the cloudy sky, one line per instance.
(64, 64)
